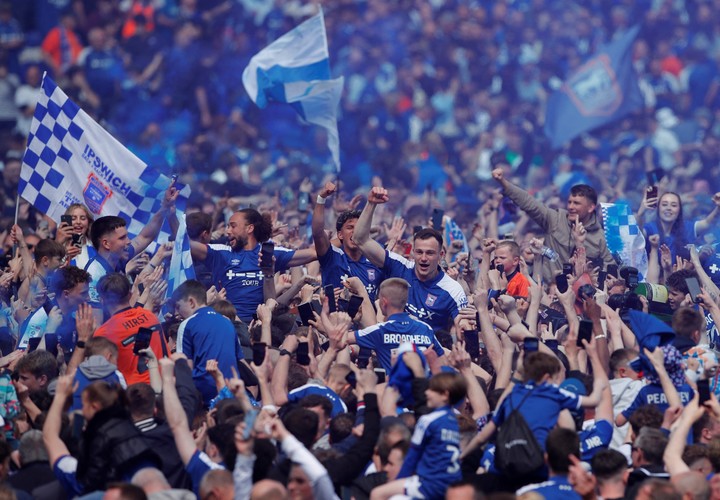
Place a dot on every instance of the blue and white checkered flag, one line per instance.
(71, 159)
(623, 236)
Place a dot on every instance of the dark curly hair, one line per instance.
(346, 216)
(262, 223)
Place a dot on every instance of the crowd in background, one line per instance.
(245, 383)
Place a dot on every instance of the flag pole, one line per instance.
(17, 207)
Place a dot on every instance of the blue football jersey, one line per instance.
(541, 408)
(306, 390)
(336, 266)
(209, 335)
(652, 394)
(595, 438)
(436, 302)
(434, 455)
(557, 487)
(385, 338)
(240, 275)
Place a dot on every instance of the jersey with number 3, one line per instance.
(437, 442)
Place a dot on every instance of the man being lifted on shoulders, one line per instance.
(339, 263)
(434, 297)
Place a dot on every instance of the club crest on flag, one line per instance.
(594, 88)
(430, 300)
(96, 194)
(67, 161)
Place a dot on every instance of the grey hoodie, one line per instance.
(97, 367)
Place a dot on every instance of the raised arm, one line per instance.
(672, 457)
(487, 332)
(320, 238)
(705, 280)
(302, 257)
(535, 210)
(703, 226)
(373, 250)
(55, 446)
(657, 358)
(600, 382)
(278, 384)
(176, 418)
(198, 251)
(151, 230)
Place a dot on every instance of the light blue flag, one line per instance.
(623, 236)
(70, 159)
(295, 69)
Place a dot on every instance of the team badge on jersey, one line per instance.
(430, 300)
(371, 274)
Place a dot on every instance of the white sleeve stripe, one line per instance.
(180, 336)
(204, 458)
(402, 260)
(454, 289)
(369, 329)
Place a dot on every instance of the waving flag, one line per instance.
(601, 91)
(295, 69)
(71, 159)
(623, 236)
(453, 233)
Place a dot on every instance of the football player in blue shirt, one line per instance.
(435, 297)
(384, 338)
(337, 263)
(236, 267)
(432, 463)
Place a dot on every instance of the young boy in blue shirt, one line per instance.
(433, 461)
(545, 401)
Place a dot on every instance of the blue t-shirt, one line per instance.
(541, 408)
(209, 335)
(436, 301)
(652, 394)
(557, 487)
(385, 338)
(98, 267)
(487, 461)
(103, 71)
(434, 454)
(306, 390)
(594, 439)
(690, 235)
(199, 465)
(240, 275)
(336, 266)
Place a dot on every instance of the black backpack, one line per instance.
(517, 452)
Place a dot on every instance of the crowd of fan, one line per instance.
(246, 383)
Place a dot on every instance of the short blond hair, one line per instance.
(395, 290)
